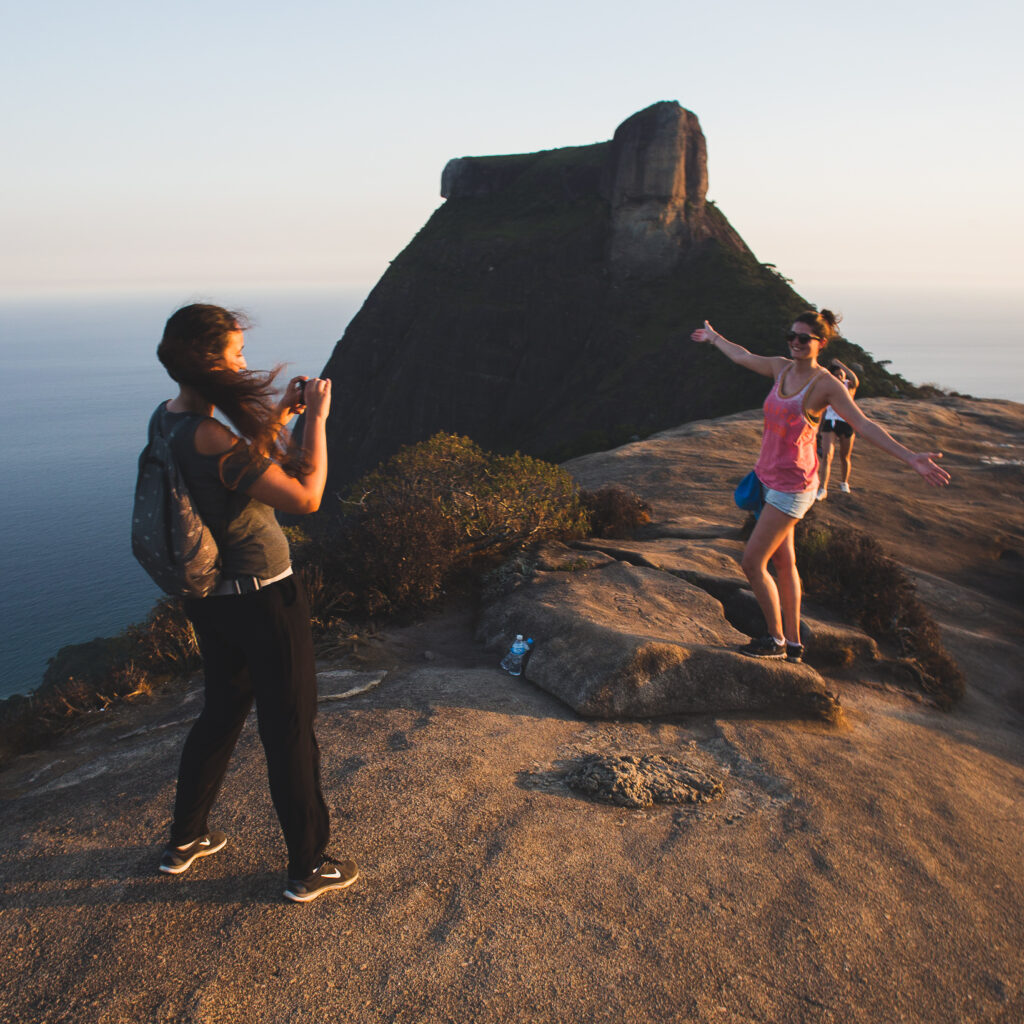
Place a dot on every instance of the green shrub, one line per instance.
(439, 506)
(849, 570)
(433, 510)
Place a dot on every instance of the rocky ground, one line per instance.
(864, 868)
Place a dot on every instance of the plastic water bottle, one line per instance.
(512, 663)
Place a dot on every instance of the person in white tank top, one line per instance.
(835, 432)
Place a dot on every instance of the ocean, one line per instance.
(81, 379)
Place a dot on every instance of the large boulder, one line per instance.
(713, 564)
(622, 640)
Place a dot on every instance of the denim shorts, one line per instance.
(796, 505)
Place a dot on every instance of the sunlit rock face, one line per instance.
(624, 641)
(653, 173)
(657, 182)
(658, 155)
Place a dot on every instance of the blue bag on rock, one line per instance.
(749, 495)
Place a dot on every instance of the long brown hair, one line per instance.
(191, 350)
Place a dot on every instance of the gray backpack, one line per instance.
(169, 539)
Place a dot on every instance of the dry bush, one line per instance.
(165, 644)
(314, 564)
(27, 723)
(849, 570)
(82, 679)
(615, 511)
(440, 506)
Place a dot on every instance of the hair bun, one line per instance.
(832, 319)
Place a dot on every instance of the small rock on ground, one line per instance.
(631, 781)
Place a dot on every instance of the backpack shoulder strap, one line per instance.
(156, 422)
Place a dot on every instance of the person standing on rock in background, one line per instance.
(788, 467)
(254, 628)
(836, 432)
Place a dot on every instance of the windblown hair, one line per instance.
(191, 348)
(825, 324)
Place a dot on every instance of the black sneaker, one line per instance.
(764, 647)
(794, 652)
(331, 874)
(179, 858)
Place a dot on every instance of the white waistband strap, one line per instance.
(280, 576)
(246, 584)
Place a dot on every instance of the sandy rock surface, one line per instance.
(865, 872)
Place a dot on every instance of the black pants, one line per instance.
(257, 646)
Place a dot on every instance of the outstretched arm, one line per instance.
(921, 462)
(769, 366)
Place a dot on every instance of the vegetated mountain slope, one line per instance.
(547, 306)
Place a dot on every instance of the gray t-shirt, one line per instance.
(247, 532)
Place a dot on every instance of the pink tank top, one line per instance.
(789, 457)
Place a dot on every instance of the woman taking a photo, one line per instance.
(788, 467)
(253, 629)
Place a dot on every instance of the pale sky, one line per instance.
(220, 144)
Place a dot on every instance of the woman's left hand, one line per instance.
(705, 334)
(924, 463)
(293, 401)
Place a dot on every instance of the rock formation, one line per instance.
(649, 626)
(656, 182)
(624, 641)
(653, 175)
(546, 306)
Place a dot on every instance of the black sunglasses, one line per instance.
(803, 339)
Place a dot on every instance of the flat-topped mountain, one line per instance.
(546, 306)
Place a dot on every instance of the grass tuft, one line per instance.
(615, 511)
(848, 570)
